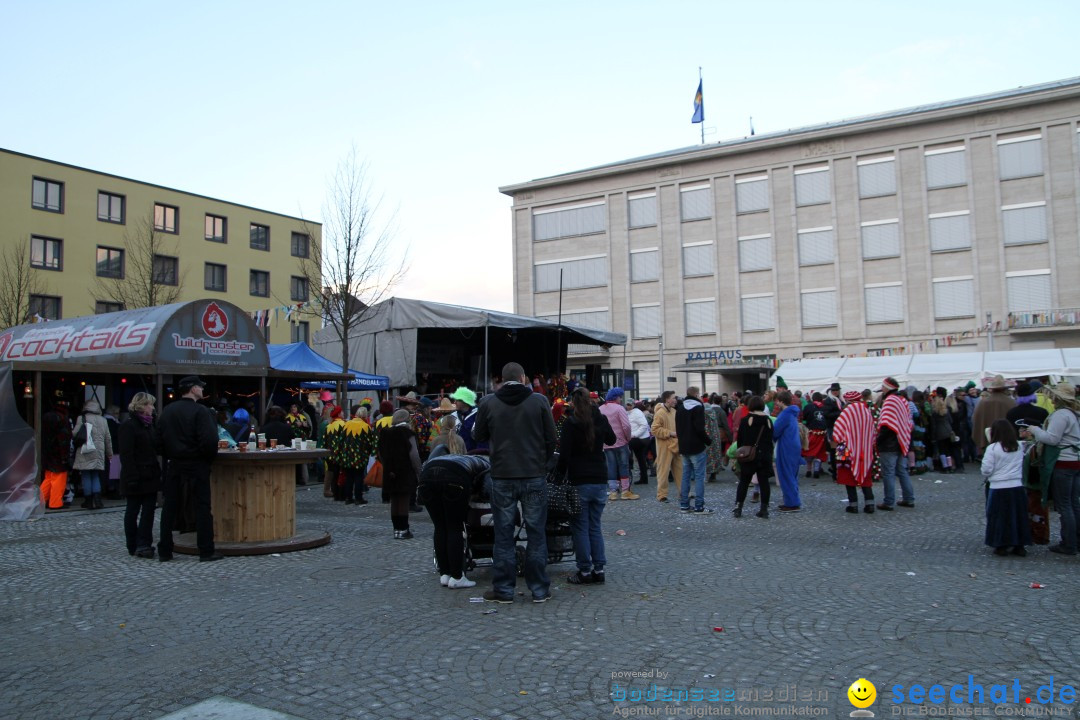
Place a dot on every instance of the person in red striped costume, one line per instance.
(853, 437)
(893, 441)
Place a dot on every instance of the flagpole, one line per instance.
(702, 107)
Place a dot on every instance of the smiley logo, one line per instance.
(862, 693)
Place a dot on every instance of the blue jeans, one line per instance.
(91, 481)
(588, 538)
(618, 468)
(894, 465)
(1066, 490)
(693, 468)
(505, 496)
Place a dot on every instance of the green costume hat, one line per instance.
(780, 383)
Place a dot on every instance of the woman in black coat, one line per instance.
(400, 458)
(140, 475)
(581, 455)
(755, 430)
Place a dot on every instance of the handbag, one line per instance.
(374, 477)
(563, 498)
(748, 453)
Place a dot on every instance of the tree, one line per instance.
(18, 281)
(150, 273)
(357, 261)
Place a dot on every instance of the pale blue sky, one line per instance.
(255, 102)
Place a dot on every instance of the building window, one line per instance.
(301, 245)
(812, 185)
(880, 239)
(645, 265)
(166, 270)
(884, 302)
(214, 277)
(47, 195)
(576, 273)
(1020, 156)
(954, 297)
(819, 308)
(45, 306)
(877, 177)
(215, 228)
(701, 316)
(757, 312)
(569, 221)
(101, 307)
(1024, 224)
(301, 332)
(166, 218)
(298, 289)
(645, 321)
(945, 167)
(110, 262)
(260, 237)
(260, 283)
(817, 246)
(752, 194)
(696, 203)
(950, 231)
(1029, 290)
(46, 253)
(698, 259)
(642, 210)
(755, 253)
(110, 207)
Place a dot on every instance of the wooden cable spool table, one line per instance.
(253, 500)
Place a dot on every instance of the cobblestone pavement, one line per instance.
(808, 603)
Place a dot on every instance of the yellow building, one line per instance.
(94, 240)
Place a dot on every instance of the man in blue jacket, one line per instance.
(518, 425)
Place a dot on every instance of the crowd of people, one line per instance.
(437, 457)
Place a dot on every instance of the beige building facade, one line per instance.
(83, 233)
(912, 231)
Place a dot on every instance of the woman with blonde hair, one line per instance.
(447, 442)
(140, 474)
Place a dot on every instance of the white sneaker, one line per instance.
(444, 580)
(461, 582)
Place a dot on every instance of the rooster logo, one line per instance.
(215, 322)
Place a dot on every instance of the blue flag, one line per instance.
(699, 106)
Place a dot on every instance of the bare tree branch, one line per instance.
(18, 281)
(358, 260)
(140, 286)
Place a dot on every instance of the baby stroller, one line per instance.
(480, 529)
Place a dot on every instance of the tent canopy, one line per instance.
(298, 360)
(404, 338)
(947, 370)
(212, 336)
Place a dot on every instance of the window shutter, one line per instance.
(646, 321)
(819, 308)
(817, 247)
(644, 266)
(884, 304)
(757, 313)
(642, 211)
(698, 260)
(876, 179)
(950, 233)
(696, 204)
(755, 254)
(569, 223)
(1020, 159)
(1024, 225)
(954, 298)
(812, 188)
(590, 272)
(1029, 292)
(881, 241)
(752, 196)
(700, 317)
(945, 169)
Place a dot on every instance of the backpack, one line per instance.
(88, 444)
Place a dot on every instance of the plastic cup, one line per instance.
(242, 447)
(273, 443)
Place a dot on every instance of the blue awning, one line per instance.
(299, 358)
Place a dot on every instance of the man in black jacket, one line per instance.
(187, 434)
(521, 431)
(690, 430)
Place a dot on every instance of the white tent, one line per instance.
(947, 370)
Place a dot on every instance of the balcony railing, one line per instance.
(1060, 317)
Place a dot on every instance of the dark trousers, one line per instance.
(639, 453)
(190, 480)
(853, 494)
(746, 474)
(139, 522)
(354, 483)
(447, 504)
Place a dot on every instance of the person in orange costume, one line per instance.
(55, 453)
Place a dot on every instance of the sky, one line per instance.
(257, 102)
